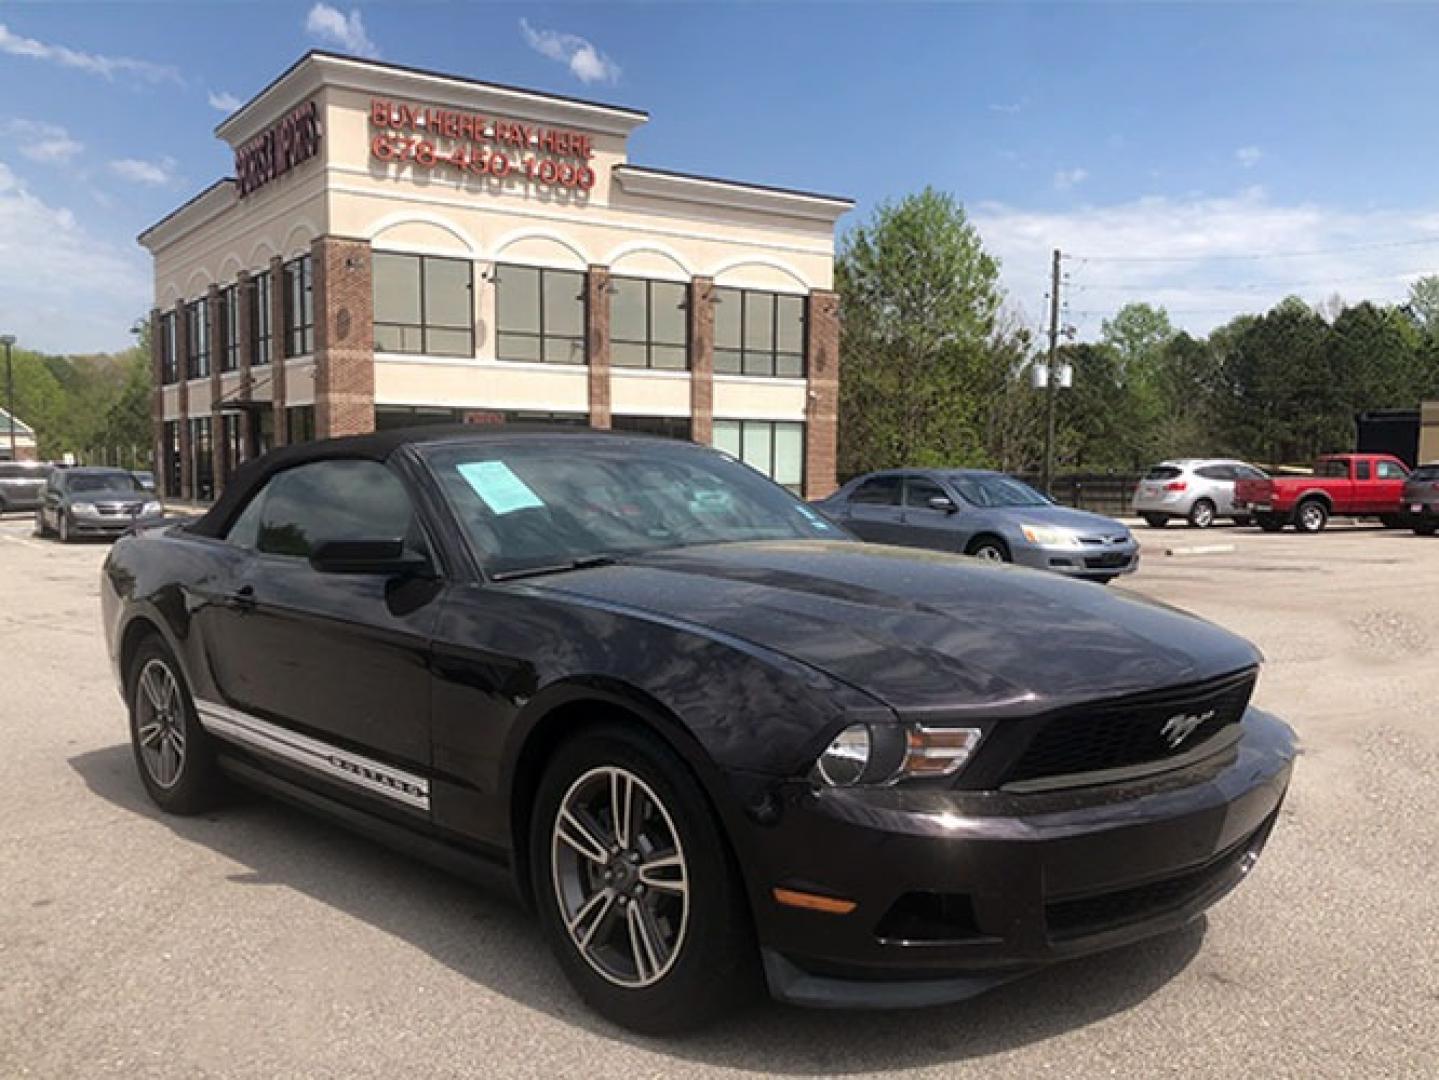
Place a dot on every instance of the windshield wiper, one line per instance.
(583, 563)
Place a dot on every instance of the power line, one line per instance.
(1255, 256)
(1258, 286)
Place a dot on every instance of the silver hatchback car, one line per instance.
(1198, 490)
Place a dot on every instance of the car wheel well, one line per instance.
(986, 537)
(138, 630)
(551, 731)
(1316, 496)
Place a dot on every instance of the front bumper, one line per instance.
(1090, 561)
(1006, 883)
(106, 524)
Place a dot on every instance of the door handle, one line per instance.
(242, 599)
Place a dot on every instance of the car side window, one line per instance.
(877, 491)
(335, 500)
(245, 530)
(1216, 472)
(918, 492)
(1390, 471)
(1361, 470)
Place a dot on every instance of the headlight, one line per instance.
(888, 753)
(82, 508)
(1050, 537)
(152, 509)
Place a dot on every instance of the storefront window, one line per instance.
(169, 360)
(759, 333)
(260, 320)
(671, 427)
(774, 447)
(649, 327)
(234, 445)
(197, 333)
(540, 315)
(299, 308)
(201, 462)
(171, 464)
(230, 328)
(300, 420)
(424, 304)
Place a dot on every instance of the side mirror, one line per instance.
(382, 557)
(942, 502)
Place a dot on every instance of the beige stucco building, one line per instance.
(401, 246)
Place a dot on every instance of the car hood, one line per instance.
(1061, 517)
(921, 631)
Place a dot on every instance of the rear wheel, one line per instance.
(989, 549)
(1156, 521)
(636, 889)
(1201, 514)
(1311, 516)
(175, 757)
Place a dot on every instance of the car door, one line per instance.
(1389, 486)
(926, 526)
(874, 511)
(340, 657)
(1220, 484)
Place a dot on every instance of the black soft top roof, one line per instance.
(377, 446)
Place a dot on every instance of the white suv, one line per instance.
(1196, 489)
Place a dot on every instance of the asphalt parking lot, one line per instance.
(257, 942)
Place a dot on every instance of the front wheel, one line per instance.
(175, 757)
(989, 549)
(41, 529)
(1427, 528)
(636, 889)
(65, 536)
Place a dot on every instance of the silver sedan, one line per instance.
(984, 514)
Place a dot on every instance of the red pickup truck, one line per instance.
(1359, 485)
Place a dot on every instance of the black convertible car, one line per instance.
(709, 737)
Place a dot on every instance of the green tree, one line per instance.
(919, 302)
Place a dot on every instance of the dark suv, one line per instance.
(1421, 499)
(21, 484)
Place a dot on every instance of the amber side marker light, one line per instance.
(812, 902)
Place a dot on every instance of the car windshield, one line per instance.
(1163, 472)
(110, 481)
(530, 504)
(996, 491)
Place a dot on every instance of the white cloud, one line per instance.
(333, 27)
(223, 100)
(107, 67)
(1068, 178)
(1248, 156)
(63, 289)
(1193, 254)
(154, 173)
(42, 141)
(585, 62)
(1007, 108)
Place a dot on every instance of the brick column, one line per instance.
(157, 401)
(279, 346)
(182, 388)
(344, 337)
(216, 315)
(702, 359)
(822, 406)
(245, 293)
(597, 343)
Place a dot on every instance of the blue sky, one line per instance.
(1247, 151)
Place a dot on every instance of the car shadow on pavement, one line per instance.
(492, 941)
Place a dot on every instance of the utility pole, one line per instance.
(1052, 383)
(8, 340)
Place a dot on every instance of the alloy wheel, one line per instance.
(1311, 516)
(989, 553)
(1203, 514)
(620, 877)
(160, 723)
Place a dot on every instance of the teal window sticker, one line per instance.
(814, 519)
(499, 488)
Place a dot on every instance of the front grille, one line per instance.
(1112, 561)
(1106, 911)
(118, 509)
(1133, 732)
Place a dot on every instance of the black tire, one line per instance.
(41, 529)
(64, 529)
(1201, 514)
(197, 784)
(1269, 523)
(1392, 521)
(714, 961)
(1156, 521)
(1427, 528)
(1311, 515)
(1243, 521)
(989, 549)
